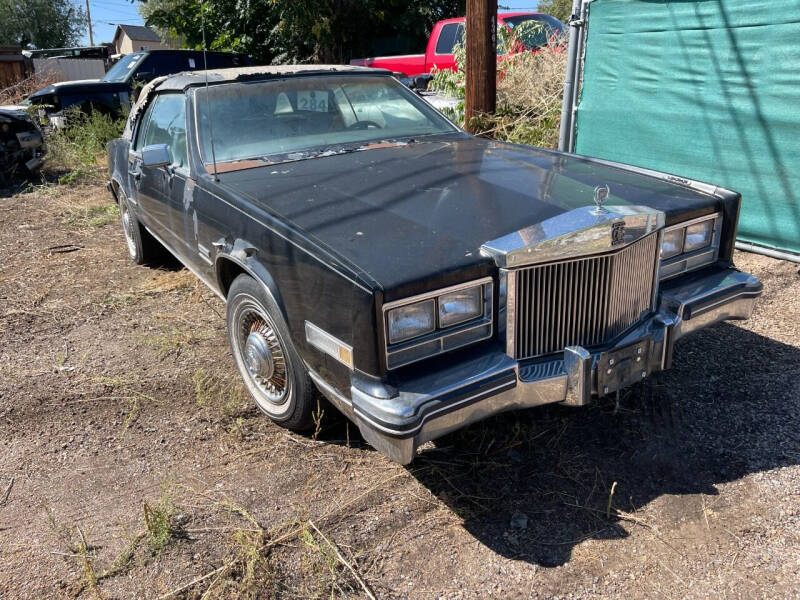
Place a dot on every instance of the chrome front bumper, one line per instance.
(439, 401)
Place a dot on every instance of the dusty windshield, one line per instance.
(301, 117)
(120, 71)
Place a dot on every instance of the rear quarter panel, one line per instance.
(117, 152)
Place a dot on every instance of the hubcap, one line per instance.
(127, 227)
(258, 356)
(263, 356)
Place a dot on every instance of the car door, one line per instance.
(450, 35)
(159, 190)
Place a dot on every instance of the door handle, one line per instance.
(136, 174)
(169, 173)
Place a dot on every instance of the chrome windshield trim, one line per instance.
(578, 233)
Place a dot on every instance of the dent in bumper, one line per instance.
(441, 401)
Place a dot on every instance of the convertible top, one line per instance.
(180, 81)
(186, 79)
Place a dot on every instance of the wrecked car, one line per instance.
(418, 277)
(21, 144)
(114, 93)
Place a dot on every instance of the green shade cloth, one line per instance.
(707, 89)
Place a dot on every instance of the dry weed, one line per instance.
(14, 94)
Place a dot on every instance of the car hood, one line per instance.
(15, 110)
(82, 86)
(414, 215)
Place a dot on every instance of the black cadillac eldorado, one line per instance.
(418, 277)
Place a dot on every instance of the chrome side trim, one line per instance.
(575, 234)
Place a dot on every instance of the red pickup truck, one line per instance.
(446, 34)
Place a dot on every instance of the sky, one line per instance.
(105, 16)
(107, 13)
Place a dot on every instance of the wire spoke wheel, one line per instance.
(127, 227)
(262, 355)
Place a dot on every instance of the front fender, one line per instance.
(245, 256)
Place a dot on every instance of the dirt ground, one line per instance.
(132, 464)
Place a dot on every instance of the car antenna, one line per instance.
(208, 108)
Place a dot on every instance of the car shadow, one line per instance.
(532, 485)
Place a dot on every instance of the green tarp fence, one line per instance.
(707, 89)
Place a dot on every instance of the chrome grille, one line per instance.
(580, 302)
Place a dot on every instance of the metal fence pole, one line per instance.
(570, 80)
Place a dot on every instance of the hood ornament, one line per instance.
(601, 194)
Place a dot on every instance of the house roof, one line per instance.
(140, 33)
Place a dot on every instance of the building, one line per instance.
(130, 38)
(14, 66)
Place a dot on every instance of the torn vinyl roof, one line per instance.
(180, 81)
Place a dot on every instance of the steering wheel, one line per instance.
(364, 125)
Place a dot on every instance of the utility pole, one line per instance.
(89, 17)
(481, 84)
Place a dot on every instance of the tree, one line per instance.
(40, 23)
(301, 30)
(560, 9)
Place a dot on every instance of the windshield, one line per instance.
(120, 71)
(301, 117)
(537, 30)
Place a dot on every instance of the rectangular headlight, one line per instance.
(438, 321)
(460, 306)
(672, 244)
(690, 245)
(412, 320)
(699, 235)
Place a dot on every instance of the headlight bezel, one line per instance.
(442, 338)
(686, 261)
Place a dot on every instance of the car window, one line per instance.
(535, 31)
(121, 70)
(449, 36)
(165, 123)
(307, 114)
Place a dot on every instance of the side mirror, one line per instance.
(156, 155)
(421, 82)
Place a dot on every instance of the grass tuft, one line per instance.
(92, 216)
(158, 520)
(214, 392)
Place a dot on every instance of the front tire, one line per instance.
(266, 358)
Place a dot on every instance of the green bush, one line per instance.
(529, 91)
(78, 147)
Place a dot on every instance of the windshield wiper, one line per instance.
(335, 149)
